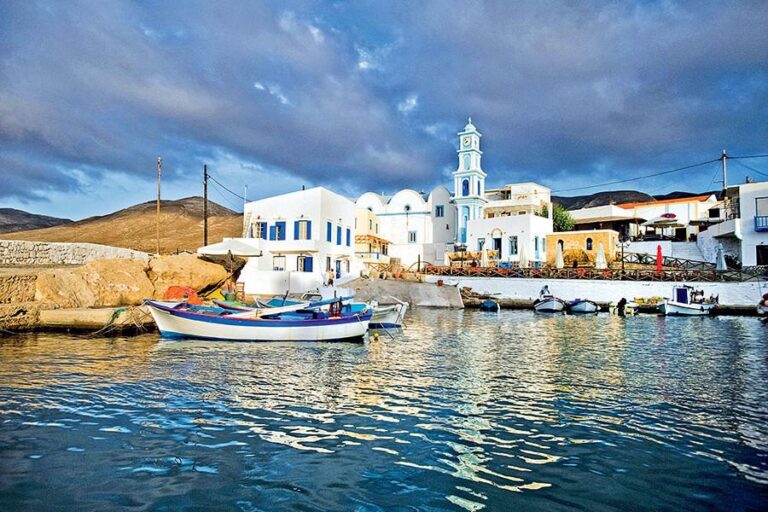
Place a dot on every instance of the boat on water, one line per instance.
(762, 308)
(583, 306)
(389, 316)
(687, 301)
(297, 322)
(490, 305)
(549, 304)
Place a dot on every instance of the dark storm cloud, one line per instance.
(369, 96)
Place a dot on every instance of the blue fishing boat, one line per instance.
(297, 322)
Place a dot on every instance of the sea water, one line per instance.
(462, 410)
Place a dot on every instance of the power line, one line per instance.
(749, 156)
(225, 188)
(639, 177)
(224, 198)
(752, 169)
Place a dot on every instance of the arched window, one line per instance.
(589, 244)
(561, 244)
(466, 162)
(478, 188)
(465, 187)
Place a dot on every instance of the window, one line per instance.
(478, 188)
(411, 237)
(589, 244)
(260, 230)
(338, 235)
(278, 263)
(466, 162)
(377, 228)
(302, 230)
(349, 237)
(465, 187)
(543, 244)
(277, 232)
(370, 223)
(328, 232)
(439, 211)
(536, 244)
(480, 244)
(328, 264)
(561, 244)
(513, 245)
(347, 266)
(304, 263)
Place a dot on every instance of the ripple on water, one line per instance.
(461, 410)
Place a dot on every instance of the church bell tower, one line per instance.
(468, 181)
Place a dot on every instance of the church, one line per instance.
(509, 222)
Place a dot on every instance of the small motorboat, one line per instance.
(549, 304)
(490, 305)
(687, 301)
(289, 323)
(583, 306)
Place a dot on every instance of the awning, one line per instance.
(666, 220)
(229, 246)
(363, 239)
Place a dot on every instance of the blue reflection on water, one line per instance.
(462, 411)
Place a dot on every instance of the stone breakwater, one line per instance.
(99, 284)
(24, 253)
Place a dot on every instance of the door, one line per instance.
(338, 269)
(762, 254)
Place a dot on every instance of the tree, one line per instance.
(561, 218)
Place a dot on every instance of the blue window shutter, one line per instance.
(272, 232)
(349, 237)
(264, 230)
(328, 231)
(296, 230)
(282, 230)
(308, 264)
(338, 235)
(309, 232)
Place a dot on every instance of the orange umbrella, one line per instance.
(659, 259)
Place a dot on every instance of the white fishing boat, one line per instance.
(389, 316)
(583, 306)
(290, 323)
(549, 304)
(687, 301)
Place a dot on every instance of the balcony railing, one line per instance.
(761, 223)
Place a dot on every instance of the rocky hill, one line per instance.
(181, 227)
(618, 197)
(19, 220)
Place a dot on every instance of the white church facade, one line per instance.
(423, 228)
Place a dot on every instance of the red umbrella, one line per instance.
(659, 259)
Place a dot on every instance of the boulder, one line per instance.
(184, 270)
(100, 283)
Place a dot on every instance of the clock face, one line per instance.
(467, 141)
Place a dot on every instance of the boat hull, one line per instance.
(388, 317)
(180, 324)
(583, 307)
(549, 305)
(672, 308)
(490, 305)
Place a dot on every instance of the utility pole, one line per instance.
(205, 204)
(724, 158)
(157, 223)
(245, 196)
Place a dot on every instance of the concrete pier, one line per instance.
(121, 319)
(415, 293)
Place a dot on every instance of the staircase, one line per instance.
(687, 251)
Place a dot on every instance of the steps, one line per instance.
(687, 251)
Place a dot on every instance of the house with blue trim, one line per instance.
(305, 237)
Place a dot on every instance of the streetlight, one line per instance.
(622, 243)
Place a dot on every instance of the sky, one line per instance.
(370, 95)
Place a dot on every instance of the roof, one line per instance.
(605, 213)
(370, 238)
(691, 199)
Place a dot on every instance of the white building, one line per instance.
(305, 237)
(418, 228)
(743, 230)
(511, 237)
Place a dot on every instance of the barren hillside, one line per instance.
(181, 227)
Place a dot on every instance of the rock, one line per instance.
(184, 270)
(100, 283)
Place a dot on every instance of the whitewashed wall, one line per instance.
(731, 294)
(24, 253)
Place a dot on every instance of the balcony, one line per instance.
(373, 257)
(761, 223)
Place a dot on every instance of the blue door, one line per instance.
(338, 269)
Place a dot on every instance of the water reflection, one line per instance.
(462, 410)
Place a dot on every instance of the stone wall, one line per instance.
(24, 253)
